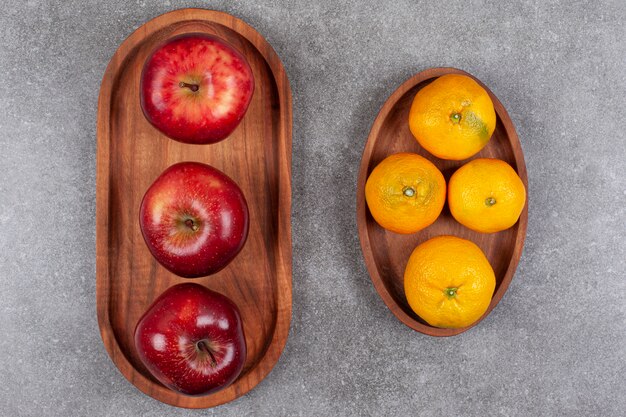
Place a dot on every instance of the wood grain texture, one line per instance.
(386, 253)
(131, 154)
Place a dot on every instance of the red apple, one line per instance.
(191, 339)
(194, 219)
(196, 88)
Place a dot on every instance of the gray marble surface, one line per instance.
(555, 345)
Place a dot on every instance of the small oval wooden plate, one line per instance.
(387, 253)
(131, 154)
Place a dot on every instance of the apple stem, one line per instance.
(203, 347)
(192, 87)
(190, 224)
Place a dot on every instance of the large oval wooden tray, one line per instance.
(132, 153)
(386, 253)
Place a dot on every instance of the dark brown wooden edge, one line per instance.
(284, 250)
(361, 211)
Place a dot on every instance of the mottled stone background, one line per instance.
(555, 345)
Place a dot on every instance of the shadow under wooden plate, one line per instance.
(131, 154)
(386, 253)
